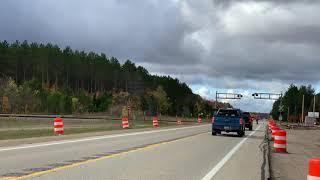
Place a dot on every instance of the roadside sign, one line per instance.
(281, 108)
(280, 117)
(313, 114)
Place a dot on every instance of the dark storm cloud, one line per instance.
(220, 43)
(146, 30)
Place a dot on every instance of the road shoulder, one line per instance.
(301, 146)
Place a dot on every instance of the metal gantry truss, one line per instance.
(227, 96)
(270, 96)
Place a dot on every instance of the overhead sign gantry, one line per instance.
(271, 96)
(227, 96)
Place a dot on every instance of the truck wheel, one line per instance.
(250, 128)
(240, 133)
(214, 133)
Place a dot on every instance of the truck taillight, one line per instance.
(241, 121)
(212, 119)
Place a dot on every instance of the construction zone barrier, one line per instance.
(280, 142)
(314, 169)
(199, 120)
(274, 129)
(155, 122)
(125, 122)
(58, 126)
(271, 124)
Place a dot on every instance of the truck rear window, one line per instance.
(229, 113)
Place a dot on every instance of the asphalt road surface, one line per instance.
(188, 152)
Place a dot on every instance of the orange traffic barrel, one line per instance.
(155, 121)
(280, 141)
(58, 126)
(199, 120)
(314, 169)
(179, 122)
(274, 129)
(125, 122)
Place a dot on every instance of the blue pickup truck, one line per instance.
(228, 120)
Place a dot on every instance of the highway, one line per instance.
(187, 152)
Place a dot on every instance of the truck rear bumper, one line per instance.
(248, 124)
(227, 128)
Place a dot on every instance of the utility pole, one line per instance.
(281, 108)
(288, 114)
(302, 109)
(314, 105)
(216, 100)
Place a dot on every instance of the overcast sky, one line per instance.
(226, 45)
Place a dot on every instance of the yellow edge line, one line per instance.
(94, 160)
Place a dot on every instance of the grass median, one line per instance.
(22, 128)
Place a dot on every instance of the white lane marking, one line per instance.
(96, 138)
(223, 161)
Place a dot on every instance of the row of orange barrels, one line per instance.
(278, 136)
(155, 122)
(58, 123)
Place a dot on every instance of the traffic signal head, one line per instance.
(239, 96)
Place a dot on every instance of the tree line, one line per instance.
(292, 103)
(45, 78)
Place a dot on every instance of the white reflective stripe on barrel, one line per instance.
(279, 138)
(58, 129)
(58, 123)
(279, 145)
(313, 178)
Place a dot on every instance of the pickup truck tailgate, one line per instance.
(226, 121)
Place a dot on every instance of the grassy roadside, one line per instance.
(19, 129)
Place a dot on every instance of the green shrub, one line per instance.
(75, 104)
(59, 102)
(101, 104)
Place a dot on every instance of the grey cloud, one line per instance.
(152, 31)
(227, 3)
(195, 40)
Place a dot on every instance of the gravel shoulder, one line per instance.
(302, 144)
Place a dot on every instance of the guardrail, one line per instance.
(84, 117)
